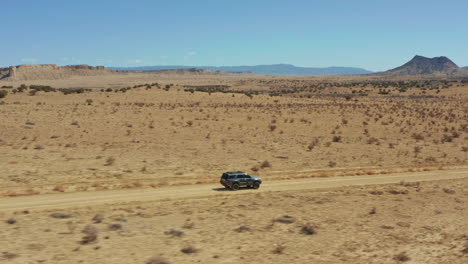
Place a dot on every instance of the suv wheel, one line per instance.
(256, 185)
(235, 186)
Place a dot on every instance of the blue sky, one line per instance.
(372, 34)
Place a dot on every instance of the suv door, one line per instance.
(249, 180)
(242, 180)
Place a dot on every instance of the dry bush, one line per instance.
(242, 228)
(11, 221)
(272, 127)
(254, 169)
(188, 225)
(174, 233)
(265, 164)
(285, 219)
(336, 139)
(60, 215)
(449, 191)
(308, 229)
(417, 150)
(189, 250)
(9, 255)
(98, 218)
(157, 260)
(331, 164)
(417, 136)
(313, 144)
(279, 249)
(115, 227)
(59, 188)
(402, 257)
(109, 161)
(91, 235)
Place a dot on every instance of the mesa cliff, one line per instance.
(50, 72)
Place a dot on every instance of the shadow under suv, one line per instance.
(236, 179)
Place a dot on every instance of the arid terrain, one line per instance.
(127, 132)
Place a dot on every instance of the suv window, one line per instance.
(232, 177)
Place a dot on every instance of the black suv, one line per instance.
(235, 179)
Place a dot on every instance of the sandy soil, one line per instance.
(125, 174)
(112, 140)
(414, 222)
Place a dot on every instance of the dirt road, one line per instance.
(73, 200)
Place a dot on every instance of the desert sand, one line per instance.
(148, 132)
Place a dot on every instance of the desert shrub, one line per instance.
(417, 136)
(60, 215)
(11, 221)
(373, 140)
(402, 257)
(242, 228)
(308, 229)
(43, 88)
(336, 139)
(285, 219)
(89, 101)
(279, 249)
(313, 144)
(447, 138)
(265, 164)
(449, 191)
(157, 260)
(3, 94)
(272, 127)
(22, 87)
(417, 149)
(174, 233)
(7, 86)
(91, 235)
(9, 255)
(114, 227)
(331, 164)
(98, 218)
(189, 250)
(109, 161)
(67, 91)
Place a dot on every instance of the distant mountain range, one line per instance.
(275, 69)
(420, 65)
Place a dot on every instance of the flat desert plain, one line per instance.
(356, 169)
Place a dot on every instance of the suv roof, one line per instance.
(235, 172)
